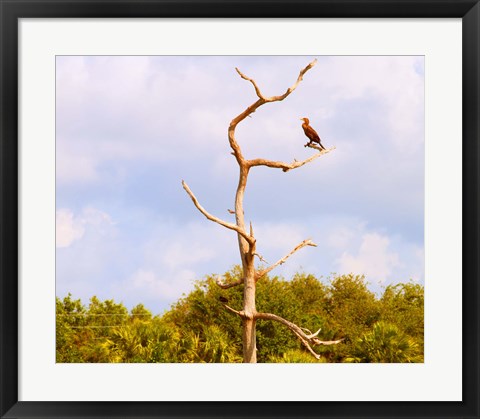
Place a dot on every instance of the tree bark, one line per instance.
(249, 309)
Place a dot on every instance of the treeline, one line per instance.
(197, 328)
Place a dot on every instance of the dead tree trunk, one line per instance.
(246, 239)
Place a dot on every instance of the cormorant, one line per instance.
(311, 133)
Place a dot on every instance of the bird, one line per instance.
(311, 133)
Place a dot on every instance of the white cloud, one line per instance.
(340, 238)
(169, 287)
(74, 168)
(114, 109)
(211, 126)
(70, 227)
(184, 253)
(373, 259)
(176, 246)
(393, 82)
(177, 255)
(418, 264)
(118, 109)
(278, 236)
(174, 257)
(137, 123)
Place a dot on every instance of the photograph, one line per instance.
(240, 208)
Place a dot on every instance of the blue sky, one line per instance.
(129, 129)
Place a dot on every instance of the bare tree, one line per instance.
(246, 239)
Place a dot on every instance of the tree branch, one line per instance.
(315, 146)
(257, 89)
(232, 310)
(217, 220)
(280, 97)
(244, 167)
(260, 257)
(253, 107)
(265, 271)
(311, 335)
(307, 340)
(286, 166)
(292, 88)
(225, 286)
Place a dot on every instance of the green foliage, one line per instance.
(403, 305)
(385, 343)
(69, 329)
(211, 344)
(198, 328)
(352, 309)
(297, 356)
(273, 339)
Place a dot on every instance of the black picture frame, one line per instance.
(10, 13)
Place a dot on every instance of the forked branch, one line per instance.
(280, 97)
(307, 340)
(292, 88)
(253, 107)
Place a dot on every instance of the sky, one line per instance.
(129, 129)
